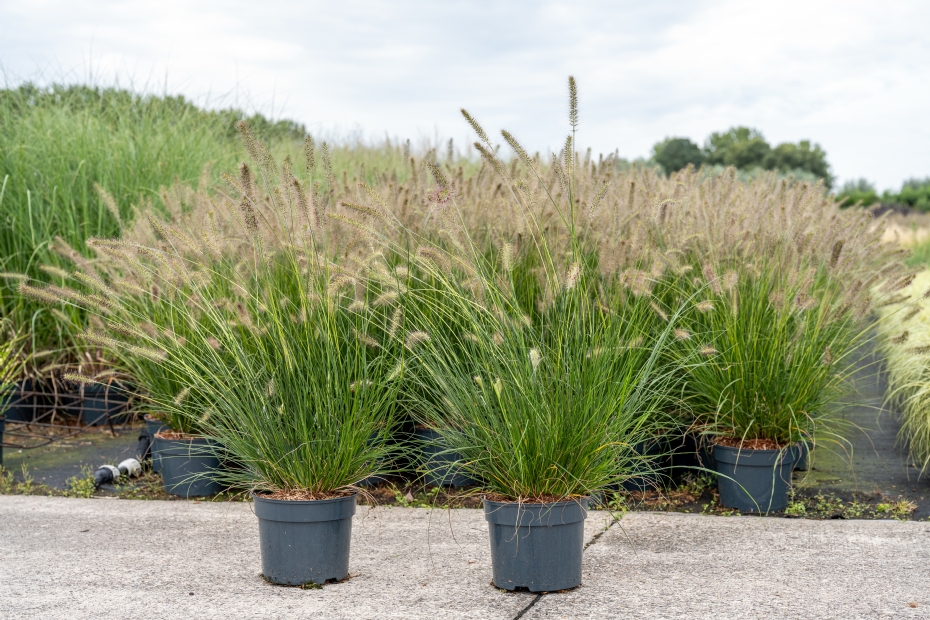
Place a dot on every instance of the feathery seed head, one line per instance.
(38, 294)
(385, 299)
(535, 358)
(57, 272)
(707, 350)
(479, 131)
(730, 279)
(658, 310)
(682, 334)
(571, 278)
(76, 377)
(704, 306)
(396, 319)
(415, 337)
(572, 102)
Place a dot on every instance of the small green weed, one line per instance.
(796, 509)
(422, 499)
(27, 486)
(900, 510)
(83, 485)
(6, 481)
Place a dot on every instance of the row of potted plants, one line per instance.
(286, 335)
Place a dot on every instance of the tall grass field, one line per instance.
(543, 314)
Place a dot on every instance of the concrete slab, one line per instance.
(94, 558)
(654, 565)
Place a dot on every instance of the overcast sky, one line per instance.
(853, 76)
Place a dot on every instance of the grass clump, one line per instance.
(904, 340)
(544, 316)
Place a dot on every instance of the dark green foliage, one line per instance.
(741, 147)
(915, 193)
(801, 156)
(745, 148)
(673, 154)
(854, 192)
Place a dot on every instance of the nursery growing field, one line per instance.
(321, 325)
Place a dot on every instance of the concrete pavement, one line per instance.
(99, 558)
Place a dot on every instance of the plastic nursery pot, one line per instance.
(802, 456)
(187, 466)
(23, 403)
(690, 452)
(304, 541)
(102, 404)
(439, 464)
(683, 453)
(644, 478)
(536, 546)
(754, 480)
(153, 426)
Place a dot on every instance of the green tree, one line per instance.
(801, 156)
(742, 147)
(856, 191)
(673, 154)
(915, 193)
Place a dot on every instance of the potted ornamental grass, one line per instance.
(296, 371)
(533, 377)
(768, 359)
(305, 408)
(257, 349)
(541, 415)
(11, 365)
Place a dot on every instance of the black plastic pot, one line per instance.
(691, 453)
(536, 546)
(102, 404)
(153, 426)
(2, 428)
(439, 464)
(802, 456)
(22, 402)
(188, 465)
(647, 475)
(754, 480)
(683, 453)
(304, 541)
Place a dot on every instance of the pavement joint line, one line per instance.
(528, 607)
(594, 539)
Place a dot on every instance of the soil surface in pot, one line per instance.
(748, 444)
(542, 499)
(173, 435)
(297, 495)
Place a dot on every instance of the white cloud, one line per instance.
(853, 76)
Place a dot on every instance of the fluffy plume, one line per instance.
(535, 358)
(414, 338)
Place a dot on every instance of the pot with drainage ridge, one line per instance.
(754, 480)
(537, 546)
(304, 541)
(188, 464)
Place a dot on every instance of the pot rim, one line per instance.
(256, 496)
(531, 504)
